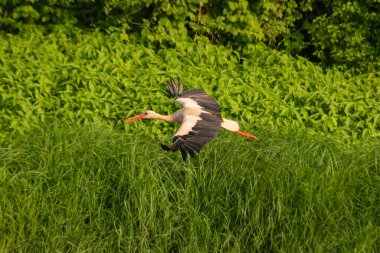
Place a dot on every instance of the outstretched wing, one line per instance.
(195, 132)
(198, 128)
(198, 99)
(195, 99)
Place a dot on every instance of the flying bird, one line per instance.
(200, 120)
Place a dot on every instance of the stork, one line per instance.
(200, 120)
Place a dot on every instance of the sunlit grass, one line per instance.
(66, 188)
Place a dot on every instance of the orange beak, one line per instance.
(137, 117)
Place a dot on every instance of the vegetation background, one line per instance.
(302, 75)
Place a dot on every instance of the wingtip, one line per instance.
(183, 153)
(180, 86)
(164, 147)
(172, 87)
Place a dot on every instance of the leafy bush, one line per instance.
(85, 77)
(347, 34)
(343, 33)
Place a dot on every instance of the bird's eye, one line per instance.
(145, 113)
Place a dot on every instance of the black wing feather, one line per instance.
(202, 99)
(172, 87)
(198, 95)
(203, 132)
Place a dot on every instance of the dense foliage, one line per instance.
(73, 177)
(344, 33)
(86, 77)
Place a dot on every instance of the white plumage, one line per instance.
(230, 125)
(188, 103)
(188, 123)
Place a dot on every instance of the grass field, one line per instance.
(72, 188)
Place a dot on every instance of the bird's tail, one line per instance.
(247, 135)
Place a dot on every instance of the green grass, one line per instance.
(84, 186)
(66, 188)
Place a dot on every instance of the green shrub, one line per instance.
(342, 33)
(86, 77)
(347, 34)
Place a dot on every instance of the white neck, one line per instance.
(167, 118)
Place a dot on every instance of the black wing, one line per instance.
(201, 98)
(172, 87)
(198, 133)
(198, 96)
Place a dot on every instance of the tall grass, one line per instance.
(91, 188)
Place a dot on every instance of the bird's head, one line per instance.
(146, 115)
